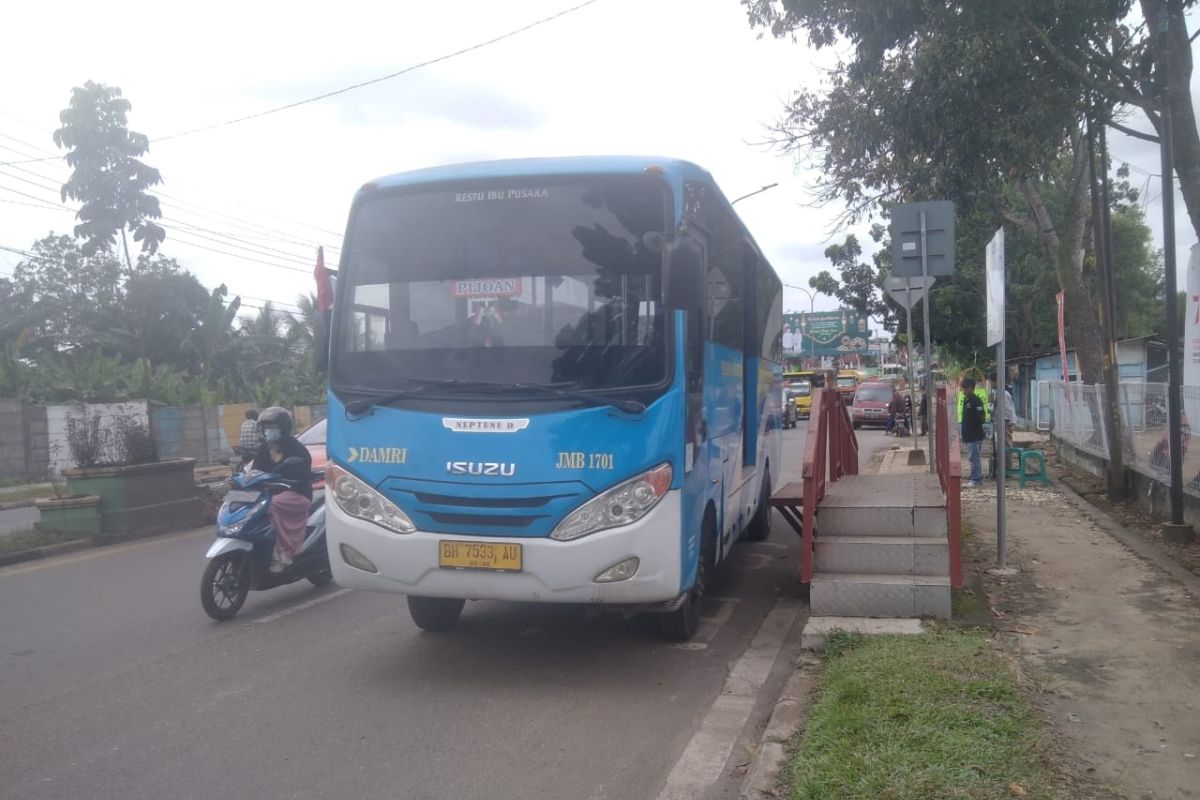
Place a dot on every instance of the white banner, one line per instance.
(1191, 323)
(995, 289)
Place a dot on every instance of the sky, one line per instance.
(679, 78)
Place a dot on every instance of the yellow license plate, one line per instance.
(475, 555)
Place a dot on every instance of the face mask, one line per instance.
(272, 434)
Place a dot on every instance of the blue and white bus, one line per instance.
(551, 380)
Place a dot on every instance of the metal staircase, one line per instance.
(888, 545)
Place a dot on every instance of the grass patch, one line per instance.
(916, 718)
(31, 538)
(33, 491)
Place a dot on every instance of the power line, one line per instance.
(198, 231)
(177, 238)
(33, 205)
(226, 219)
(352, 87)
(30, 256)
(381, 78)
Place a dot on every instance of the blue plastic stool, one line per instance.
(1040, 475)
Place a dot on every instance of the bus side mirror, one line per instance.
(683, 274)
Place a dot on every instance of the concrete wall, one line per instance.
(57, 421)
(34, 438)
(24, 452)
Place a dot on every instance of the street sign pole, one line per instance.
(928, 362)
(912, 383)
(995, 336)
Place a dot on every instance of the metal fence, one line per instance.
(1074, 412)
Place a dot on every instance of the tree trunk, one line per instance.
(1185, 137)
(1065, 252)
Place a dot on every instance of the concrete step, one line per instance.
(817, 629)
(883, 555)
(883, 505)
(843, 594)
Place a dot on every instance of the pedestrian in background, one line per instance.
(974, 414)
(249, 437)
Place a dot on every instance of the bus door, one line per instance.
(725, 400)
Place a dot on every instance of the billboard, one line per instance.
(825, 333)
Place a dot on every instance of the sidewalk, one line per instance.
(1109, 641)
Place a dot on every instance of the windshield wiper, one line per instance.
(626, 405)
(362, 405)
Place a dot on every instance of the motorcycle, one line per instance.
(242, 457)
(240, 558)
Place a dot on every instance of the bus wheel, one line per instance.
(435, 613)
(681, 624)
(760, 526)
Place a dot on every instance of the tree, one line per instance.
(108, 178)
(1082, 52)
(75, 291)
(956, 100)
(161, 306)
(210, 343)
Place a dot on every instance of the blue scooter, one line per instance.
(240, 558)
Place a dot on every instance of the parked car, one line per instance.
(313, 438)
(870, 406)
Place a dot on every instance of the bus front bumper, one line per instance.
(552, 571)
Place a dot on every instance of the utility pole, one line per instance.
(1176, 530)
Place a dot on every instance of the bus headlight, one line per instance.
(624, 503)
(359, 500)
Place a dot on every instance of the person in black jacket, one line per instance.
(283, 454)
(973, 416)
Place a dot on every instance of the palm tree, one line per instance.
(214, 342)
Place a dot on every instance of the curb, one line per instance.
(45, 551)
(14, 504)
(1138, 544)
(786, 718)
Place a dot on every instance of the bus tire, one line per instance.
(681, 624)
(435, 613)
(760, 527)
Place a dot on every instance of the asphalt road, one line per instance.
(114, 684)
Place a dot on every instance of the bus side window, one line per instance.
(726, 278)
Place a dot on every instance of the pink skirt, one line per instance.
(289, 518)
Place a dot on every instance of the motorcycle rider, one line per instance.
(291, 460)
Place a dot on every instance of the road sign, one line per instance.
(995, 289)
(908, 291)
(937, 235)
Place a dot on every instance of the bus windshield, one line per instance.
(505, 282)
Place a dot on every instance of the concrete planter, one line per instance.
(142, 499)
(70, 515)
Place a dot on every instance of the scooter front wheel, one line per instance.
(224, 586)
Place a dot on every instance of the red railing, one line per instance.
(949, 469)
(830, 451)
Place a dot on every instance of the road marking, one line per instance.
(704, 758)
(110, 550)
(316, 601)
